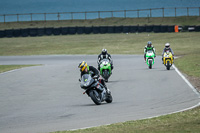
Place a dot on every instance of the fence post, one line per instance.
(138, 14)
(58, 16)
(150, 12)
(187, 11)
(199, 11)
(125, 13)
(4, 16)
(163, 12)
(99, 14)
(17, 17)
(31, 17)
(175, 12)
(112, 13)
(72, 16)
(85, 15)
(45, 18)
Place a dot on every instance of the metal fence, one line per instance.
(153, 12)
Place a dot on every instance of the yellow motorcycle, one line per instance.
(168, 59)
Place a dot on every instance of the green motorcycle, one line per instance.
(150, 58)
(105, 69)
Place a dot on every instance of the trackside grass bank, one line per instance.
(4, 68)
(183, 122)
(182, 21)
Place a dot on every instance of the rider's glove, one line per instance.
(95, 77)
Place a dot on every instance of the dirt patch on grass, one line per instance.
(195, 81)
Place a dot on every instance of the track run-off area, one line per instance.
(48, 97)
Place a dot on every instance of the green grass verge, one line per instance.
(182, 21)
(183, 122)
(4, 68)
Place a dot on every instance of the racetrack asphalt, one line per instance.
(48, 97)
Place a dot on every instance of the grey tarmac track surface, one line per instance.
(48, 98)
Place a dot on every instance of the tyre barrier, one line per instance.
(40, 31)
(24, 32)
(72, 30)
(33, 32)
(133, 29)
(48, 31)
(88, 30)
(126, 29)
(80, 30)
(156, 29)
(64, 31)
(94, 29)
(197, 28)
(56, 31)
(103, 29)
(111, 29)
(149, 28)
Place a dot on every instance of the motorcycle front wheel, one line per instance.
(95, 97)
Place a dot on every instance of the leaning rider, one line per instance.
(104, 55)
(167, 48)
(148, 47)
(85, 69)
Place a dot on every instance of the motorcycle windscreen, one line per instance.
(86, 80)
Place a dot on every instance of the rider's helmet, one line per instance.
(82, 66)
(104, 51)
(149, 43)
(167, 45)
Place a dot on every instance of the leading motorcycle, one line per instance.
(95, 90)
(168, 59)
(105, 69)
(150, 58)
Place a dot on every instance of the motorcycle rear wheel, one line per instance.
(168, 65)
(150, 64)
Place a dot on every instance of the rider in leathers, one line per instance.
(104, 55)
(167, 48)
(149, 46)
(85, 69)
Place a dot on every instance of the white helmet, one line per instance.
(167, 45)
